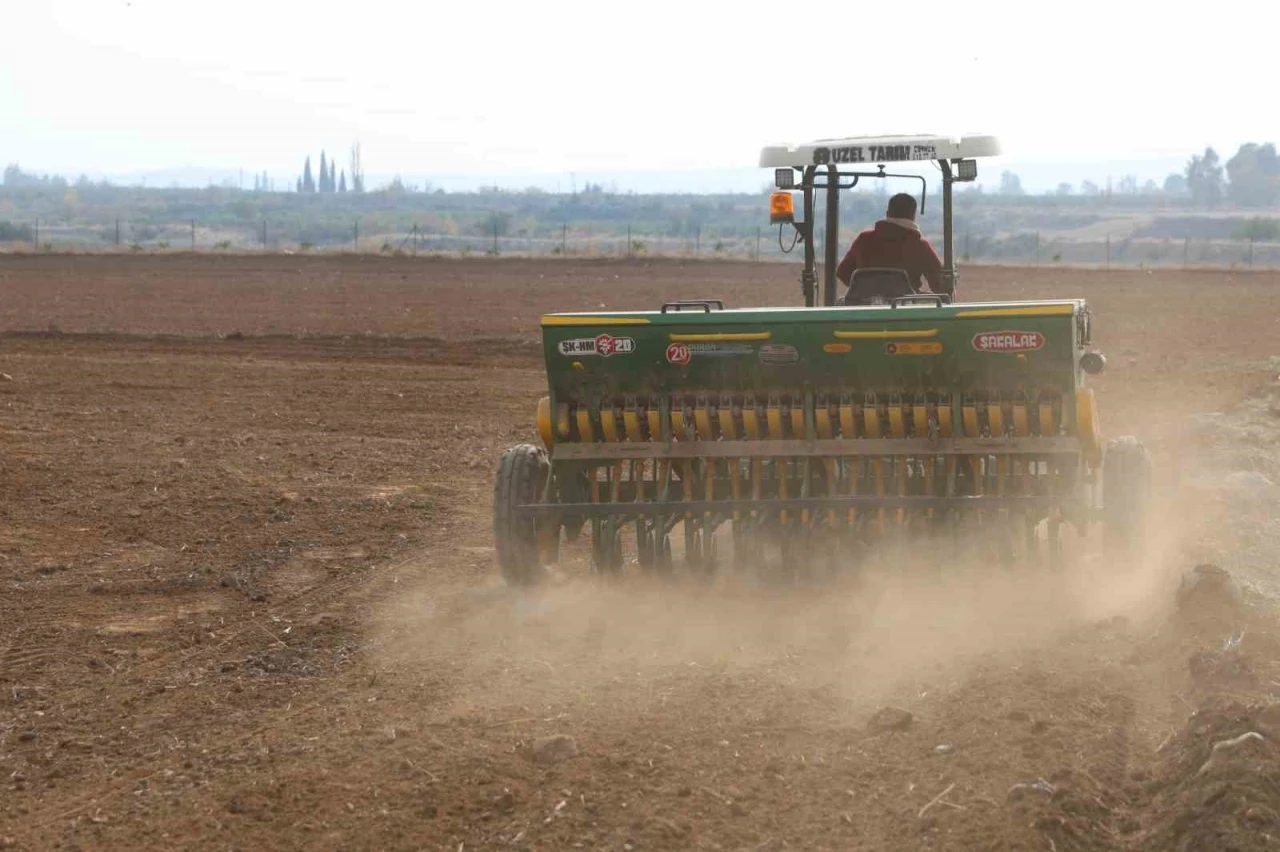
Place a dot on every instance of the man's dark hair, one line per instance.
(901, 206)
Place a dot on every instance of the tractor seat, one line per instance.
(877, 286)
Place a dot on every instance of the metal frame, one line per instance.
(721, 507)
(817, 448)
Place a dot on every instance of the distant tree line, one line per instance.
(1252, 177)
(328, 181)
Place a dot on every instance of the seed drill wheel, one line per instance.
(1126, 480)
(522, 472)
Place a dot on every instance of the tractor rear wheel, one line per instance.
(1126, 481)
(522, 472)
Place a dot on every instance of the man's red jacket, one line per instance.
(894, 246)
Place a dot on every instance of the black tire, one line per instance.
(522, 472)
(1126, 484)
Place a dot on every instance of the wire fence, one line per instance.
(763, 244)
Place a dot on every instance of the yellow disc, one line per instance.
(871, 421)
(751, 422)
(995, 419)
(1047, 424)
(702, 420)
(585, 430)
(944, 420)
(609, 424)
(897, 428)
(1021, 427)
(847, 429)
(677, 425)
(1087, 425)
(655, 424)
(797, 421)
(822, 422)
(545, 430)
(969, 415)
(727, 429)
(774, 415)
(631, 422)
(920, 419)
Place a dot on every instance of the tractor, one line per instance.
(827, 429)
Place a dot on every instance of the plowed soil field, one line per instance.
(248, 597)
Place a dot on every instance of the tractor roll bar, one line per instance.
(831, 243)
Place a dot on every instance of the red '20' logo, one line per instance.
(678, 353)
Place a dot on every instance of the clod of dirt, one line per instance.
(1018, 716)
(943, 748)
(553, 749)
(505, 802)
(5, 377)
(1207, 592)
(1221, 669)
(890, 719)
(7, 843)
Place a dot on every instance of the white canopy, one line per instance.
(873, 150)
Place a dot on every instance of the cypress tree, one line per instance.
(308, 182)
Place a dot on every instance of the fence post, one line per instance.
(1037, 248)
(264, 234)
(697, 242)
(495, 235)
(37, 235)
(355, 236)
(1108, 251)
(1250, 252)
(117, 233)
(193, 234)
(564, 233)
(628, 241)
(1186, 241)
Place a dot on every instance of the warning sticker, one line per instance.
(603, 345)
(913, 349)
(837, 348)
(779, 354)
(1008, 341)
(679, 354)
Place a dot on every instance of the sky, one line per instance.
(504, 92)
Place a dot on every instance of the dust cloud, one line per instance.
(890, 627)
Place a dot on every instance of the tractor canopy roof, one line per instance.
(878, 149)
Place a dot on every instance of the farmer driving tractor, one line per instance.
(896, 243)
